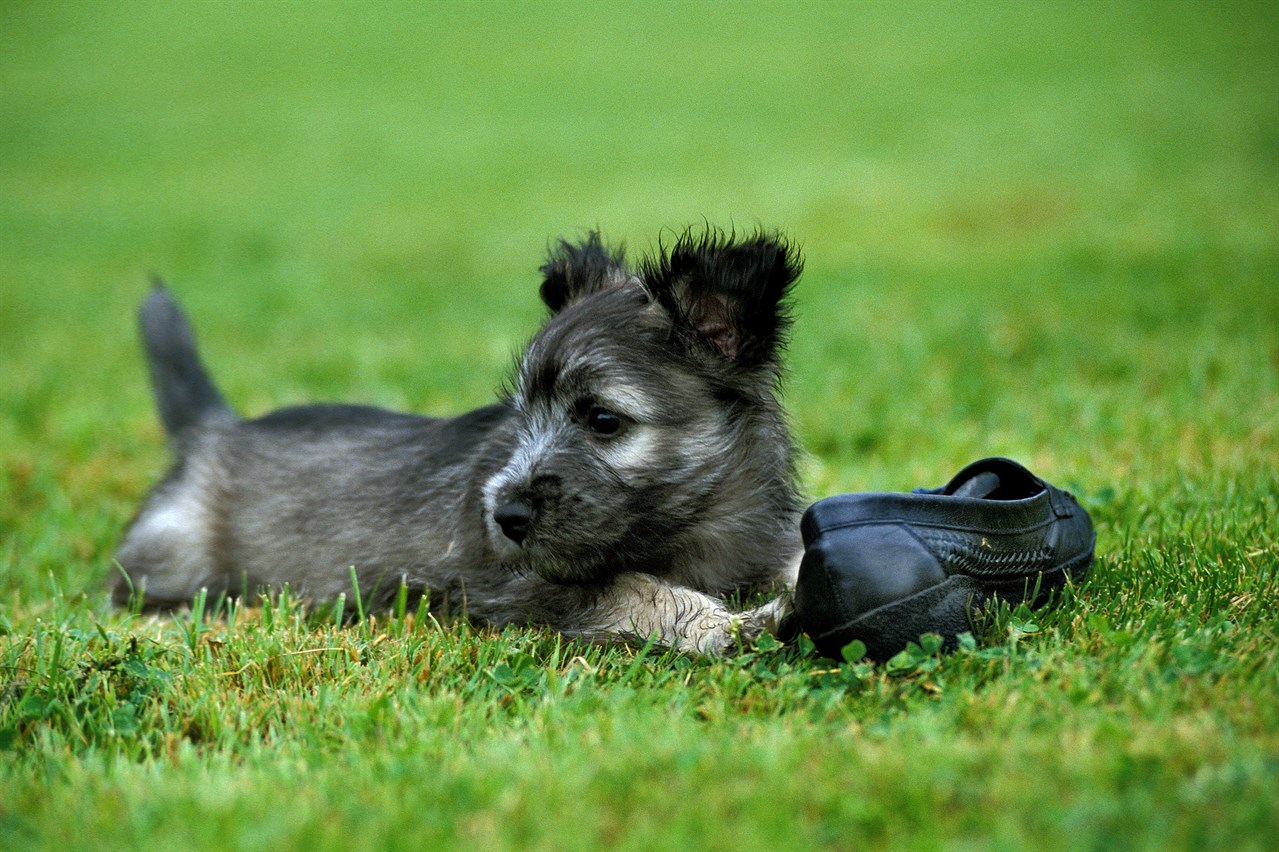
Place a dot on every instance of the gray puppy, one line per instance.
(639, 469)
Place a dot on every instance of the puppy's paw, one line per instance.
(777, 618)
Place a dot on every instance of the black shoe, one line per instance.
(885, 568)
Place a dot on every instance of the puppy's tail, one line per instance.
(184, 393)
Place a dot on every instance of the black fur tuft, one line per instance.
(575, 271)
(728, 294)
(184, 393)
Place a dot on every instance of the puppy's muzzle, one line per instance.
(514, 518)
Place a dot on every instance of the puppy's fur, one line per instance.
(639, 469)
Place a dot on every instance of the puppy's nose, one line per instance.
(514, 519)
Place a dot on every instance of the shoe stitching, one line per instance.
(958, 552)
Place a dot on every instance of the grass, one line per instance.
(1042, 230)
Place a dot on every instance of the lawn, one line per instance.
(1042, 230)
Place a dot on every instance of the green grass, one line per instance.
(1043, 230)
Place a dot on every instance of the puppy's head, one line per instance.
(644, 390)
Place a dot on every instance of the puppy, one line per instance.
(638, 470)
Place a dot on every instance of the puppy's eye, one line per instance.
(601, 421)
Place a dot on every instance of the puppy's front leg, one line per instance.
(637, 607)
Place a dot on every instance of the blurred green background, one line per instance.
(1045, 229)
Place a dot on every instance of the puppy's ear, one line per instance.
(727, 295)
(574, 271)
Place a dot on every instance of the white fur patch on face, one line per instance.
(633, 451)
(533, 444)
(628, 400)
